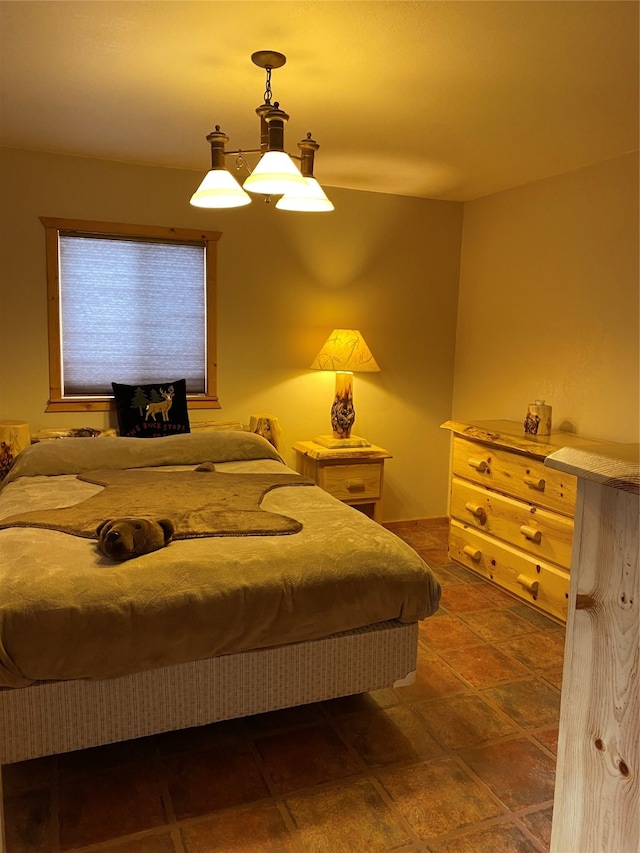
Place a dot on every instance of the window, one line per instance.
(130, 304)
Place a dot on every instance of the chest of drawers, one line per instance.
(512, 517)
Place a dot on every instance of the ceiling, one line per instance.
(446, 99)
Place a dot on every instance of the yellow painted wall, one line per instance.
(388, 266)
(548, 302)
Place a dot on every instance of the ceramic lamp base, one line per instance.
(342, 412)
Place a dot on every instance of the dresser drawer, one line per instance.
(351, 482)
(537, 582)
(514, 474)
(546, 535)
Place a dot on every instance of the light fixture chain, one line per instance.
(267, 91)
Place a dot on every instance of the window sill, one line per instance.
(107, 404)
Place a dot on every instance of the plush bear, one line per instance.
(127, 537)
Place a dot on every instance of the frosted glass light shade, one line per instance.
(275, 174)
(219, 189)
(312, 199)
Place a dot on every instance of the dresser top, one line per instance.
(511, 436)
(614, 466)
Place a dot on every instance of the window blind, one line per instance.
(131, 312)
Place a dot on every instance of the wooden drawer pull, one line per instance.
(355, 485)
(528, 584)
(477, 511)
(531, 533)
(479, 464)
(472, 552)
(535, 483)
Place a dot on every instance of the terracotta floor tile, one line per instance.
(435, 558)
(464, 597)
(483, 666)
(498, 838)
(387, 736)
(538, 651)
(437, 797)
(420, 539)
(446, 632)
(535, 617)
(517, 771)
(437, 525)
(161, 842)
(445, 576)
(558, 633)
(498, 597)
(530, 703)
(109, 805)
(539, 824)
(212, 736)
(373, 701)
(27, 775)
(203, 782)
(99, 758)
(433, 679)
(465, 575)
(462, 721)
(553, 676)
(305, 757)
(429, 537)
(346, 818)
(28, 822)
(548, 738)
(285, 718)
(495, 626)
(259, 828)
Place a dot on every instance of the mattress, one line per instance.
(67, 612)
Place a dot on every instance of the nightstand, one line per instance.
(354, 475)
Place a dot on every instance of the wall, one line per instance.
(388, 266)
(548, 302)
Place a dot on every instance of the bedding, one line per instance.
(67, 612)
(203, 502)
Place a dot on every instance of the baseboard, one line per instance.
(436, 521)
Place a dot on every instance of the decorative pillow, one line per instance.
(152, 411)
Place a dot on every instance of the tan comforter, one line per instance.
(68, 612)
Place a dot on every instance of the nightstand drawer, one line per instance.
(514, 474)
(533, 580)
(352, 482)
(547, 535)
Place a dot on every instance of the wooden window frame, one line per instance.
(53, 228)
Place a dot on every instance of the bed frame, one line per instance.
(53, 717)
(48, 718)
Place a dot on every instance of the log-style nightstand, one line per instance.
(354, 475)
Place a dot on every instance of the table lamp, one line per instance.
(346, 353)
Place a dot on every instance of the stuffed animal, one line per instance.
(128, 537)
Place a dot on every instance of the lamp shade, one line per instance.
(345, 349)
(311, 199)
(219, 189)
(275, 174)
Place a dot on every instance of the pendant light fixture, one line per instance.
(276, 174)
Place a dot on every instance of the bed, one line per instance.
(263, 600)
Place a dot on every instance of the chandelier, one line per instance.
(275, 174)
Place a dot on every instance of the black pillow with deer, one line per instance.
(152, 411)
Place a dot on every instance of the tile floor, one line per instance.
(462, 761)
